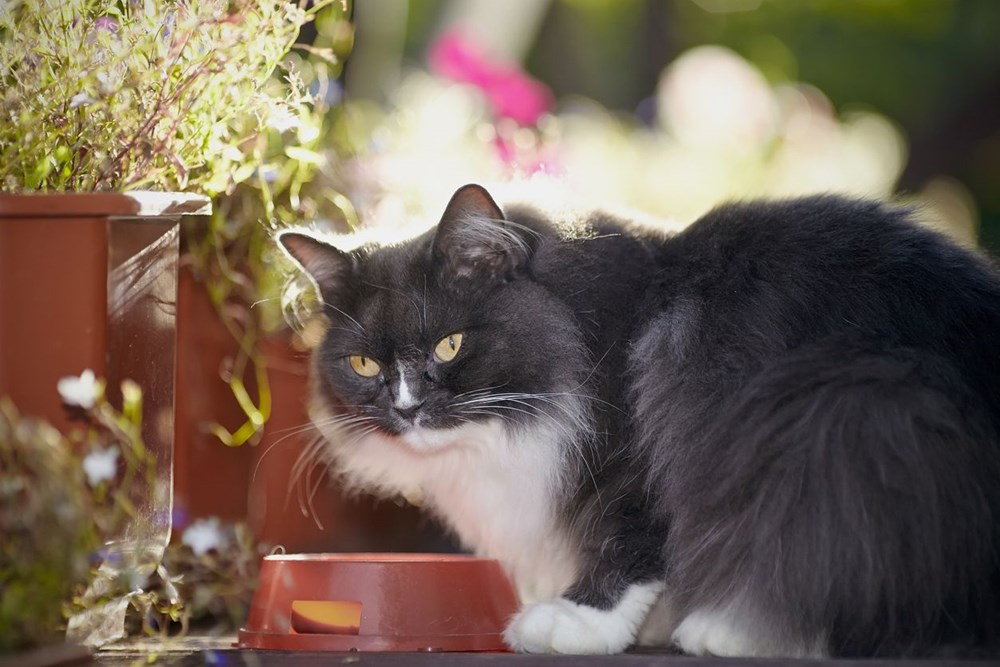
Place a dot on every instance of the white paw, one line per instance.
(712, 633)
(562, 626)
(720, 634)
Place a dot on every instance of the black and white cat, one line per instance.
(775, 433)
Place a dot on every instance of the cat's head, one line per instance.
(441, 331)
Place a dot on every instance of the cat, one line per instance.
(773, 433)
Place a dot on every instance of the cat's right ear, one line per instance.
(475, 239)
(330, 268)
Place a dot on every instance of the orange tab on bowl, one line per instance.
(326, 617)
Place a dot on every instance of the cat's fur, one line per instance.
(773, 433)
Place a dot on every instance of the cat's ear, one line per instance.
(331, 269)
(475, 239)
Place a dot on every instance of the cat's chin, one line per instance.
(422, 439)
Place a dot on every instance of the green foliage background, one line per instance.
(933, 66)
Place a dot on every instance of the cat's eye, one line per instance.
(447, 348)
(364, 366)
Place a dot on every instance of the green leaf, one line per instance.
(243, 173)
(41, 171)
(304, 155)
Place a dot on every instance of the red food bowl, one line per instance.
(379, 602)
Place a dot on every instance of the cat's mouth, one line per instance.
(399, 422)
(425, 433)
(402, 421)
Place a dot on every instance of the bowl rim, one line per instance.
(375, 558)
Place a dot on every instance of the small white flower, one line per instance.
(100, 465)
(80, 99)
(80, 391)
(282, 119)
(204, 535)
(106, 84)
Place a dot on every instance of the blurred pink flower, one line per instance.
(537, 158)
(511, 92)
(106, 23)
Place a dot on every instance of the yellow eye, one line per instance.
(364, 366)
(447, 348)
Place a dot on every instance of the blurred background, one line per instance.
(670, 106)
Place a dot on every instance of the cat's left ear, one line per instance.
(475, 239)
(329, 267)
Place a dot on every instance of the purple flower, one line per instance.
(104, 26)
(106, 555)
(168, 24)
(108, 23)
(180, 518)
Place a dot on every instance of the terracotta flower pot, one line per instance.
(210, 479)
(90, 281)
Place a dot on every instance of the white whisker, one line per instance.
(330, 305)
(311, 457)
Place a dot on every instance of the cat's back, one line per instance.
(770, 276)
(822, 239)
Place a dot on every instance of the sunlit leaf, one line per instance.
(304, 155)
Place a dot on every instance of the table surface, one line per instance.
(219, 652)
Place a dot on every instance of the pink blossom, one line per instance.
(511, 92)
(536, 159)
(106, 23)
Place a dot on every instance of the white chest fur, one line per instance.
(493, 487)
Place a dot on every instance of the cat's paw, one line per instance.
(713, 633)
(562, 626)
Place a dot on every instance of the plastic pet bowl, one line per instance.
(379, 602)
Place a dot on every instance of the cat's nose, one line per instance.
(409, 411)
(407, 396)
